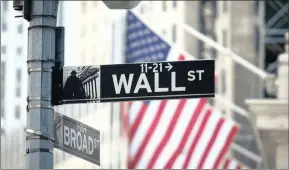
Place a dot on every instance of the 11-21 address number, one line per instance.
(155, 67)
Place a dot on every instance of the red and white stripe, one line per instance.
(168, 128)
(207, 145)
(124, 117)
(231, 164)
(177, 134)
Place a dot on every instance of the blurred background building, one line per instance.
(95, 35)
(13, 69)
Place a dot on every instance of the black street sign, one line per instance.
(158, 80)
(76, 138)
(138, 81)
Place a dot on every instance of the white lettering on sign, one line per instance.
(122, 82)
(174, 87)
(192, 76)
(143, 83)
(73, 138)
(157, 88)
(79, 141)
(66, 135)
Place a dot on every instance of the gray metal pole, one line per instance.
(41, 58)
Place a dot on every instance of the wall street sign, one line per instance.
(138, 81)
(158, 80)
(76, 138)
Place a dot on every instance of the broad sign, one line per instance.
(158, 80)
(138, 81)
(77, 138)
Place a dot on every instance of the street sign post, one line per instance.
(76, 138)
(139, 81)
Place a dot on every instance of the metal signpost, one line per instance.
(76, 138)
(139, 81)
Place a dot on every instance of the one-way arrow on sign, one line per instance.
(169, 66)
(159, 80)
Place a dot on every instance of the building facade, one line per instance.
(13, 69)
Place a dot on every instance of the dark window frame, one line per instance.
(19, 75)
(3, 78)
(4, 26)
(3, 49)
(164, 6)
(2, 111)
(17, 112)
(174, 33)
(225, 6)
(18, 92)
(5, 5)
(20, 28)
(19, 50)
(175, 4)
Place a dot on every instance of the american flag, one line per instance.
(232, 164)
(183, 133)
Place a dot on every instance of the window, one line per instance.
(5, 5)
(175, 4)
(20, 28)
(3, 49)
(3, 71)
(17, 112)
(2, 111)
(19, 51)
(174, 33)
(18, 75)
(18, 92)
(225, 6)
(225, 37)
(164, 5)
(83, 7)
(4, 26)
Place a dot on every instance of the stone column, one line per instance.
(282, 79)
(282, 93)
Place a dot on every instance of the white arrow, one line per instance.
(169, 67)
